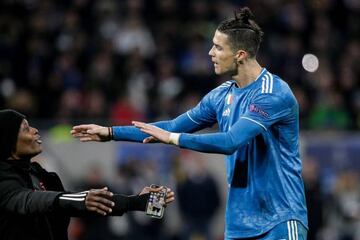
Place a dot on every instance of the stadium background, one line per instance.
(109, 62)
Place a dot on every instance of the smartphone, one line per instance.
(155, 206)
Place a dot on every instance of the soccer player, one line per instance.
(258, 120)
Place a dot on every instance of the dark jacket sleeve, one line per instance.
(18, 199)
(125, 203)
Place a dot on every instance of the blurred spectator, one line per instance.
(136, 172)
(95, 105)
(344, 219)
(122, 112)
(198, 198)
(71, 105)
(23, 100)
(134, 35)
(329, 113)
(169, 86)
(92, 228)
(314, 197)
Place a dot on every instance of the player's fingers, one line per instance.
(149, 139)
(81, 128)
(93, 131)
(86, 139)
(147, 131)
(137, 123)
(79, 134)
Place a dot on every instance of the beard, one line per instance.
(232, 71)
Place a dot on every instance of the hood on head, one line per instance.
(10, 122)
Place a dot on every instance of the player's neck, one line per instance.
(247, 73)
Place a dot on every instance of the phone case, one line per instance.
(155, 206)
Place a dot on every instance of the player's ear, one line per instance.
(240, 56)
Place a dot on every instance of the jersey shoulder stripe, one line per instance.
(267, 83)
(226, 84)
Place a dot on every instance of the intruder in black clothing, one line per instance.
(33, 202)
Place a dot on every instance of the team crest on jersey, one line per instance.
(256, 109)
(228, 99)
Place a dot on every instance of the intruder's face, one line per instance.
(222, 55)
(28, 143)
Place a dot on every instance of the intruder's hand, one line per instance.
(97, 200)
(170, 195)
(90, 132)
(156, 132)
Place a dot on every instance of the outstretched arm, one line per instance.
(19, 200)
(25, 201)
(224, 143)
(138, 202)
(103, 202)
(92, 132)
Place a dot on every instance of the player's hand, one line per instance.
(97, 200)
(150, 139)
(170, 195)
(90, 132)
(156, 132)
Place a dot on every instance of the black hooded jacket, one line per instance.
(28, 207)
(32, 205)
(28, 201)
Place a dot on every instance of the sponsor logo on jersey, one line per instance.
(256, 109)
(226, 112)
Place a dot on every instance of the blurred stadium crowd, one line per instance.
(137, 59)
(120, 60)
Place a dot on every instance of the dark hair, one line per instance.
(243, 32)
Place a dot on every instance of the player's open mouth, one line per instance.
(38, 141)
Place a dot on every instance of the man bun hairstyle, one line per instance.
(242, 31)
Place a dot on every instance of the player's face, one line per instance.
(222, 55)
(28, 143)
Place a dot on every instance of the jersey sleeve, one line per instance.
(222, 142)
(267, 109)
(180, 124)
(201, 116)
(204, 113)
